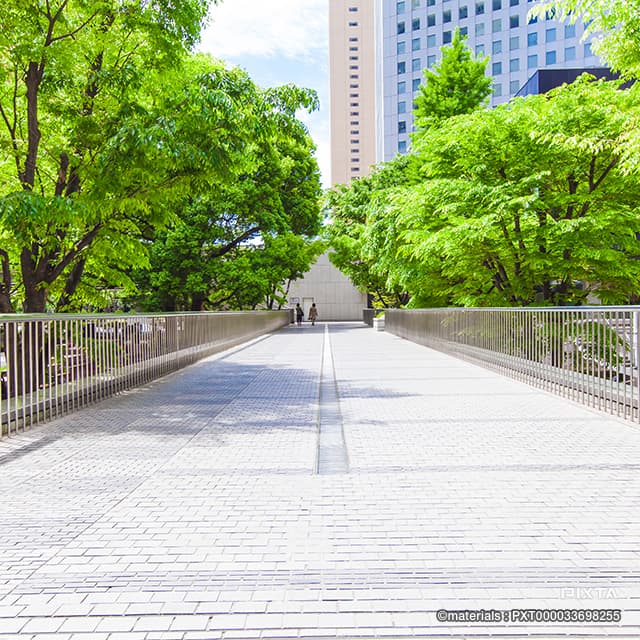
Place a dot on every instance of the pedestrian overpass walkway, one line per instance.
(327, 481)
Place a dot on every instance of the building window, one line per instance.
(550, 58)
(354, 95)
(496, 25)
(400, 28)
(479, 51)
(497, 5)
(354, 58)
(354, 150)
(479, 8)
(496, 68)
(354, 141)
(532, 39)
(480, 28)
(402, 87)
(514, 22)
(569, 30)
(354, 86)
(415, 64)
(431, 40)
(431, 3)
(514, 64)
(463, 12)
(353, 9)
(446, 37)
(496, 47)
(354, 123)
(431, 60)
(354, 113)
(415, 44)
(415, 4)
(514, 87)
(464, 31)
(446, 16)
(402, 107)
(550, 35)
(353, 24)
(532, 61)
(402, 146)
(497, 90)
(532, 19)
(431, 20)
(355, 132)
(353, 48)
(400, 7)
(402, 126)
(353, 39)
(402, 67)
(514, 3)
(401, 47)
(415, 84)
(514, 43)
(415, 24)
(355, 159)
(569, 53)
(587, 50)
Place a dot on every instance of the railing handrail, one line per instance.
(628, 307)
(134, 314)
(590, 354)
(57, 363)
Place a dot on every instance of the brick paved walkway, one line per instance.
(192, 509)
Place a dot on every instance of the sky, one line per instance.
(278, 42)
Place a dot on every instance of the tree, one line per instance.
(614, 25)
(456, 85)
(350, 210)
(86, 157)
(523, 204)
(216, 252)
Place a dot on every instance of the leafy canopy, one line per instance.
(456, 85)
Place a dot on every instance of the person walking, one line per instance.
(313, 314)
(299, 314)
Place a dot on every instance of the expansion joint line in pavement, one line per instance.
(332, 451)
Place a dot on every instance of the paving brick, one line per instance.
(190, 509)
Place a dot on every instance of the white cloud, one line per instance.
(287, 28)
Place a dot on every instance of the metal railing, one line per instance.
(587, 354)
(54, 364)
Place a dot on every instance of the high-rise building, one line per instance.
(414, 30)
(352, 69)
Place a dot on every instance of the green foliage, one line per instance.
(236, 241)
(525, 203)
(86, 157)
(528, 203)
(111, 130)
(614, 24)
(456, 85)
(350, 213)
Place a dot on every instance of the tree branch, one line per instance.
(66, 260)
(234, 243)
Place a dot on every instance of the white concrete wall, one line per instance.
(334, 294)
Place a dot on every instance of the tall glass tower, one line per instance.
(414, 30)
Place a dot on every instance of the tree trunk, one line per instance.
(73, 280)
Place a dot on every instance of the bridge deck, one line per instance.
(210, 504)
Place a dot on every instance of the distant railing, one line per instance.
(55, 364)
(588, 354)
